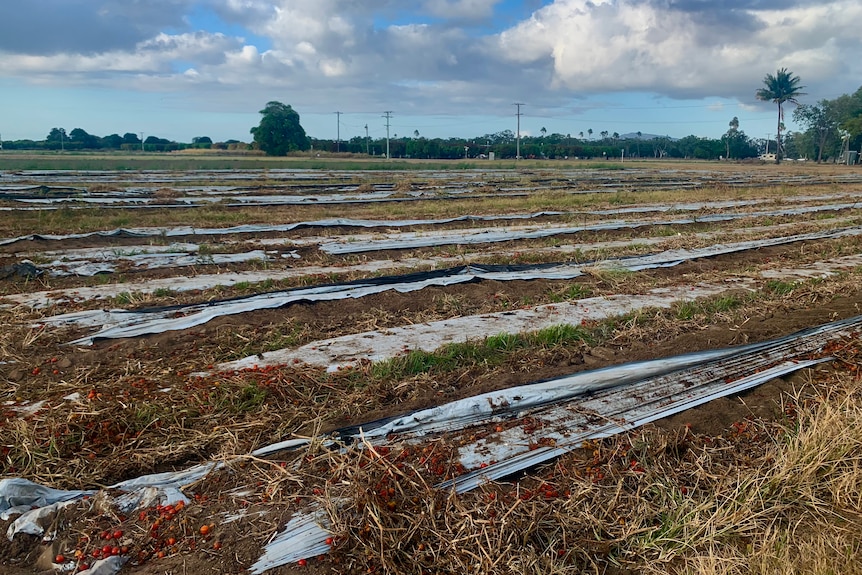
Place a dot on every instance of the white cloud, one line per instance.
(328, 53)
(616, 45)
(468, 10)
(155, 55)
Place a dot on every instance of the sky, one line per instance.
(180, 69)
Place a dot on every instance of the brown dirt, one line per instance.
(109, 437)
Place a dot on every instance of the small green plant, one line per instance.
(491, 351)
(248, 399)
(687, 310)
(572, 292)
(779, 287)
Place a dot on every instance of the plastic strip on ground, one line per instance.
(651, 391)
(120, 324)
(208, 281)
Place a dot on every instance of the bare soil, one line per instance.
(139, 410)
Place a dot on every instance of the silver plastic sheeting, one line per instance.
(18, 495)
(481, 408)
(33, 502)
(621, 411)
(336, 248)
(207, 281)
(302, 537)
(122, 324)
(599, 404)
(107, 566)
(714, 365)
(486, 236)
(305, 534)
(261, 228)
(378, 345)
(36, 502)
(60, 268)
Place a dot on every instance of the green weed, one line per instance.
(491, 351)
(779, 287)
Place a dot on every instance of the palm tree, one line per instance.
(590, 132)
(780, 88)
(581, 135)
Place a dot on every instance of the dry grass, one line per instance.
(762, 496)
(765, 497)
(548, 195)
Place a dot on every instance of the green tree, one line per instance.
(780, 88)
(56, 138)
(279, 131)
(733, 128)
(81, 139)
(55, 135)
(204, 142)
(113, 142)
(848, 111)
(821, 123)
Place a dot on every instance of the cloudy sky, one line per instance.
(183, 68)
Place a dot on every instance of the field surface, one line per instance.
(560, 368)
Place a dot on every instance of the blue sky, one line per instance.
(184, 68)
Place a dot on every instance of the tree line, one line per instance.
(831, 129)
(837, 122)
(80, 140)
(280, 132)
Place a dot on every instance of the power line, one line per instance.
(338, 137)
(518, 146)
(388, 116)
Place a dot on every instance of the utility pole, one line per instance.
(518, 145)
(366, 140)
(142, 141)
(338, 138)
(767, 145)
(388, 116)
(62, 144)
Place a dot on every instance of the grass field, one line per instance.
(765, 481)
